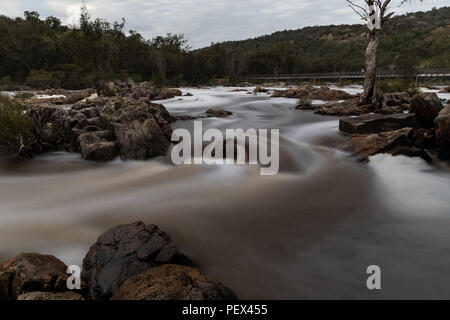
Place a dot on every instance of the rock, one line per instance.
(344, 108)
(312, 92)
(138, 134)
(172, 282)
(219, 113)
(31, 272)
(442, 124)
(374, 123)
(389, 110)
(61, 296)
(168, 93)
(260, 89)
(445, 90)
(305, 104)
(94, 146)
(423, 138)
(397, 99)
(426, 106)
(395, 142)
(188, 94)
(124, 252)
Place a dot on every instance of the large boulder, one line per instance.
(95, 146)
(442, 124)
(173, 282)
(124, 252)
(374, 123)
(138, 134)
(426, 106)
(344, 108)
(31, 272)
(397, 142)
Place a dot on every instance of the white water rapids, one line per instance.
(309, 232)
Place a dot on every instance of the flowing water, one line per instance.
(309, 232)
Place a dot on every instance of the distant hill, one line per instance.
(416, 39)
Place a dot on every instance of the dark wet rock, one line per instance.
(305, 104)
(312, 92)
(395, 142)
(426, 106)
(30, 272)
(442, 124)
(423, 138)
(390, 110)
(138, 134)
(260, 89)
(445, 90)
(124, 252)
(397, 99)
(173, 282)
(48, 296)
(188, 94)
(219, 113)
(374, 123)
(95, 146)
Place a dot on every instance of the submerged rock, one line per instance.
(426, 106)
(374, 123)
(30, 272)
(219, 113)
(173, 282)
(124, 252)
(442, 123)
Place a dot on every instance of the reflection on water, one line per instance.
(309, 232)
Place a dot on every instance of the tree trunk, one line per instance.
(369, 95)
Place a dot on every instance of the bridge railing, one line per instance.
(358, 74)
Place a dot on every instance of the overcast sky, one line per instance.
(206, 21)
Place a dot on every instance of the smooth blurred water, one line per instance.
(309, 232)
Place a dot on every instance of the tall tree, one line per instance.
(375, 13)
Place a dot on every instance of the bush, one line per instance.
(16, 134)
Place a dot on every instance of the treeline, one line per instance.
(44, 53)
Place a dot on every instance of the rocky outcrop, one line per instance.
(134, 90)
(442, 124)
(31, 272)
(374, 123)
(124, 252)
(445, 90)
(47, 296)
(397, 142)
(312, 92)
(218, 113)
(104, 127)
(426, 106)
(173, 282)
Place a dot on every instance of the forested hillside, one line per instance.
(43, 53)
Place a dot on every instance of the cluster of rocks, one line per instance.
(424, 132)
(308, 91)
(128, 262)
(390, 103)
(446, 90)
(101, 127)
(137, 90)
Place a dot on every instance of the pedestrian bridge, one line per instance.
(381, 74)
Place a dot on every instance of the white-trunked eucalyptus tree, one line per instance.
(375, 13)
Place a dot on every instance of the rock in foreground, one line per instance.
(218, 113)
(124, 252)
(374, 123)
(64, 296)
(30, 272)
(173, 282)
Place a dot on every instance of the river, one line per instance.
(309, 232)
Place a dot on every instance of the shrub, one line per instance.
(16, 134)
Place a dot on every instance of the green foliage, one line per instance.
(42, 79)
(24, 95)
(16, 134)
